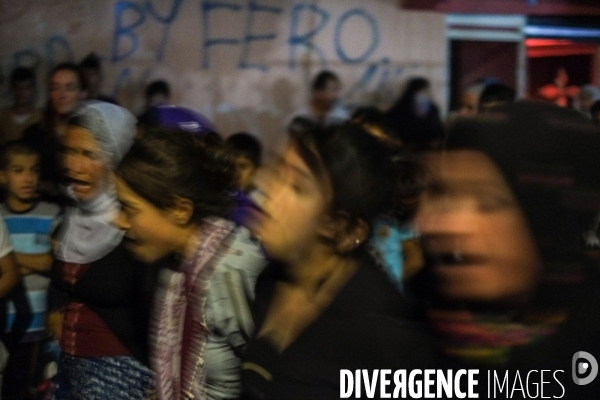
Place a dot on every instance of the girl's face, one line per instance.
(65, 91)
(85, 165)
(150, 233)
(293, 205)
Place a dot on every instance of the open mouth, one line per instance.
(28, 189)
(79, 185)
(454, 258)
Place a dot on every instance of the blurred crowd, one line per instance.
(154, 257)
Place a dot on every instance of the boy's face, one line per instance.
(245, 171)
(24, 93)
(21, 176)
(329, 95)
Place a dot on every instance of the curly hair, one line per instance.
(169, 163)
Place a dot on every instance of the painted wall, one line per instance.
(244, 63)
(526, 7)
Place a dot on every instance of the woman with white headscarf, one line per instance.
(103, 335)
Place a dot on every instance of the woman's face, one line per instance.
(293, 205)
(65, 91)
(422, 102)
(86, 168)
(149, 232)
(474, 231)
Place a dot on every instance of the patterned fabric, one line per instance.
(228, 315)
(486, 338)
(385, 245)
(84, 333)
(30, 233)
(489, 337)
(102, 378)
(178, 330)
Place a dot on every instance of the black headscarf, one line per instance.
(414, 130)
(550, 158)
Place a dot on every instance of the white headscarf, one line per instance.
(88, 232)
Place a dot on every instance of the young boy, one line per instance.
(14, 119)
(30, 223)
(247, 153)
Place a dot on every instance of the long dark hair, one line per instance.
(406, 101)
(357, 166)
(168, 163)
(417, 131)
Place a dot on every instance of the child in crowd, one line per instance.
(247, 153)
(14, 119)
(30, 223)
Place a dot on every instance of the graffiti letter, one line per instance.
(50, 49)
(250, 37)
(120, 8)
(358, 12)
(167, 21)
(207, 7)
(296, 39)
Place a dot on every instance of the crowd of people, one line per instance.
(149, 257)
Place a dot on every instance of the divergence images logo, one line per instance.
(581, 367)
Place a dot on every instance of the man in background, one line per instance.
(91, 69)
(323, 109)
(22, 112)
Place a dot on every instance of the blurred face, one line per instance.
(586, 101)
(562, 78)
(422, 102)
(21, 176)
(474, 231)
(469, 104)
(157, 99)
(65, 91)
(24, 93)
(149, 231)
(85, 166)
(245, 171)
(92, 78)
(329, 95)
(292, 209)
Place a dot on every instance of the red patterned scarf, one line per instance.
(178, 330)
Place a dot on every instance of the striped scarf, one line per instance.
(178, 330)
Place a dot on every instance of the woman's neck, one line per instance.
(60, 125)
(186, 240)
(319, 269)
(17, 205)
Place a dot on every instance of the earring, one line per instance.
(457, 253)
(357, 242)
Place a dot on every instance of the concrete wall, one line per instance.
(244, 63)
